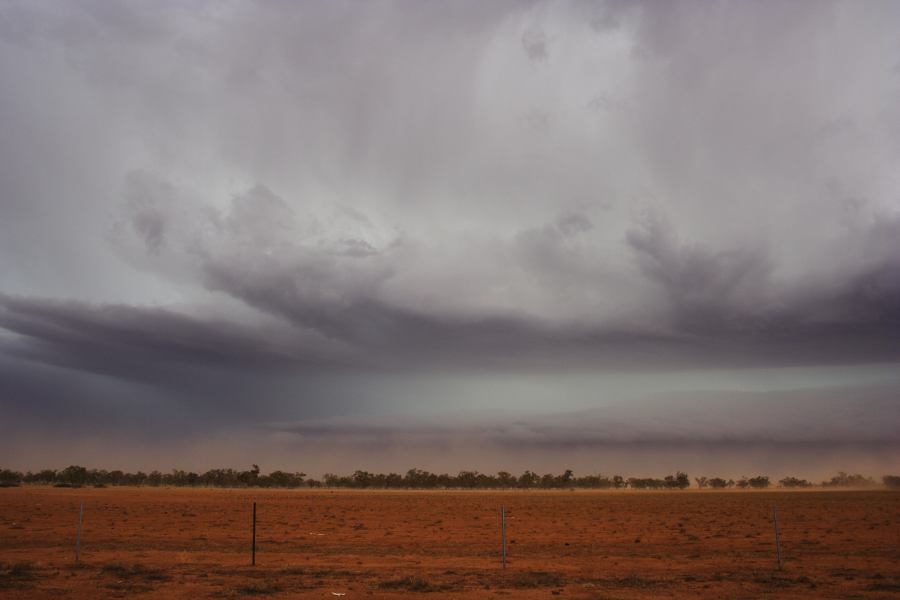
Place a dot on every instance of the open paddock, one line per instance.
(195, 543)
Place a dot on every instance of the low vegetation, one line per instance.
(844, 480)
(77, 476)
(759, 482)
(793, 482)
(15, 575)
(413, 584)
(135, 571)
(534, 579)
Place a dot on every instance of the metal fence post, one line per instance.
(503, 534)
(78, 536)
(777, 537)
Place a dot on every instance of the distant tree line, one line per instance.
(844, 480)
(77, 476)
(226, 478)
(717, 483)
(413, 479)
(419, 479)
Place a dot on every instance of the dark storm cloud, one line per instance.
(707, 304)
(140, 342)
(715, 307)
(204, 200)
(732, 294)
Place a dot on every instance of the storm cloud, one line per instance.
(257, 214)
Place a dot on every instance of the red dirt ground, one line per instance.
(193, 543)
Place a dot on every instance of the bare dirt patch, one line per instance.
(195, 543)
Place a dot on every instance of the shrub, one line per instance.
(793, 482)
(717, 483)
(646, 483)
(137, 571)
(534, 579)
(759, 482)
(412, 584)
(257, 589)
(678, 481)
(73, 474)
(14, 575)
(844, 480)
(9, 478)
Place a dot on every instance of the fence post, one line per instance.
(503, 534)
(253, 550)
(777, 536)
(78, 536)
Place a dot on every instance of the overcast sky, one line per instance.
(339, 235)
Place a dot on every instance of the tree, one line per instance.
(467, 479)
(793, 482)
(249, 478)
(646, 483)
(10, 478)
(505, 479)
(844, 480)
(679, 481)
(331, 480)
(758, 482)
(73, 475)
(547, 481)
(361, 479)
(528, 479)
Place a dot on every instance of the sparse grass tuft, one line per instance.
(782, 581)
(413, 584)
(256, 589)
(16, 574)
(135, 571)
(884, 586)
(534, 579)
(635, 581)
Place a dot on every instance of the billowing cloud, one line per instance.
(304, 197)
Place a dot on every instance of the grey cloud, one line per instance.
(812, 416)
(286, 191)
(535, 45)
(146, 343)
(727, 302)
(720, 307)
(147, 216)
(703, 287)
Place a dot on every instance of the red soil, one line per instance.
(183, 543)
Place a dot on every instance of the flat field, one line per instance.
(195, 543)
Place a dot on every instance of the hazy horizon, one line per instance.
(612, 236)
